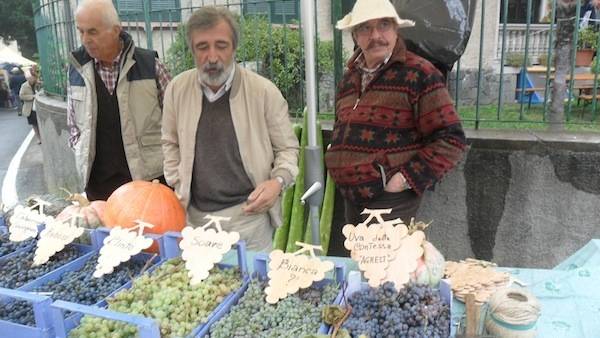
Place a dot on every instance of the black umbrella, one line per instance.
(442, 28)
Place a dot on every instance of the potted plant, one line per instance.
(587, 42)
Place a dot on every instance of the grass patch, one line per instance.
(581, 117)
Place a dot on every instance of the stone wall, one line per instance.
(519, 199)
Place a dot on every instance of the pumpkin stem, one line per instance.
(69, 194)
(79, 198)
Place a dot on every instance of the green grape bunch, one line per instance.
(295, 316)
(167, 297)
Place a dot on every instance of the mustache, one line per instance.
(377, 43)
(213, 67)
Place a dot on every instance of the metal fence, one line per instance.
(271, 40)
(507, 88)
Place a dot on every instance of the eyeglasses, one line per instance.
(382, 26)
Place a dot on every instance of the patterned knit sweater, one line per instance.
(404, 122)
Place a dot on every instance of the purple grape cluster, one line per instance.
(74, 286)
(414, 311)
(82, 287)
(20, 312)
(18, 270)
(6, 246)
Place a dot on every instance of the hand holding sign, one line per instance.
(203, 248)
(54, 237)
(288, 272)
(120, 245)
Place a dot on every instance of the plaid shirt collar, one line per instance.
(110, 73)
(114, 65)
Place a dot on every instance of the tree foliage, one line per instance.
(17, 24)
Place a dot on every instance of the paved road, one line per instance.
(29, 175)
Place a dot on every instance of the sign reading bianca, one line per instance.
(288, 272)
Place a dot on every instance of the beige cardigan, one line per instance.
(267, 143)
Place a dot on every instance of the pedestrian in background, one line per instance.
(27, 96)
(4, 93)
(17, 78)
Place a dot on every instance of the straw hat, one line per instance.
(365, 10)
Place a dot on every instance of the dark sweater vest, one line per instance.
(219, 179)
(110, 169)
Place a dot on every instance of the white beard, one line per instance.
(219, 78)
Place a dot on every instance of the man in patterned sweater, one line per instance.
(396, 131)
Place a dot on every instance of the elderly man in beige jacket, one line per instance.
(228, 144)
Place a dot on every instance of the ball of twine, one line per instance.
(512, 313)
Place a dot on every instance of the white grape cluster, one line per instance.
(166, 296)
(295, 316)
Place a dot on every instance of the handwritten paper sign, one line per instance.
(202, 248)
(405, 261)
(25, 220)
(120, 245)
(373, 246)
(55, 237)
(288, 272)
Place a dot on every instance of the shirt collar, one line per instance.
(362, 63)
(115, 62)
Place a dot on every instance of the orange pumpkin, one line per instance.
(151, 202)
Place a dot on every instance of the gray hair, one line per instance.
(104, 8)
(207, 18)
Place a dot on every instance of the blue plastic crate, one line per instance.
(73, 320)
(97, 237)
(260, 271)
(148, 327)
(355, 283)
(41, 304)
(4, 231)
(84, 250)
(41, 311)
